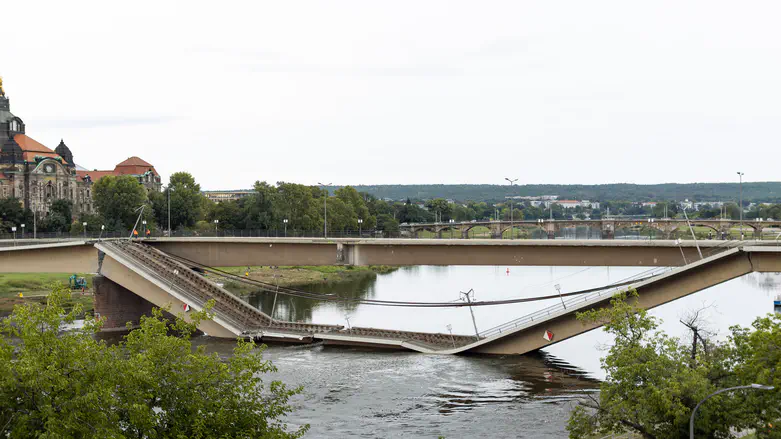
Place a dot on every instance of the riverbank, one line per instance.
(301, 275)
(36, 286)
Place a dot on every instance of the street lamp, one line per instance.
(216, 222)
(451, 221)
(169, 208)
(360, 226)
(144, 224)
(558, 288)
(740, 175)
(728, 389)
(84, 225)
(325, 210)
(284, 221)
(22, 231)
(13, 229)
(512, 182)
(102, 228)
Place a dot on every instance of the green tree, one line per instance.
(357, 204)
(13, 215)
(117, 198)
(59, 218)
(153, 383)
(654, 381)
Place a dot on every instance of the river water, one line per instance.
(359, 393)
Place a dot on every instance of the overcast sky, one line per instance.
(403, 92)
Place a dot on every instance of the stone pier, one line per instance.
(117, 304)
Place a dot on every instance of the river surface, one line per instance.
(359, 393)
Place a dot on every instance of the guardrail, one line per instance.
(171, 283)
(547, 312)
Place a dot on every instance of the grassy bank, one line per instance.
(36, 286)
(298, 276)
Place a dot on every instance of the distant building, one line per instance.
(571, 204)
(37, 175)
(232, 195)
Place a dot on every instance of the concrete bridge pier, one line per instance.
(608, 229)
(118, 305)
(496, 230)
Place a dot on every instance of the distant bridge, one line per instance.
(607, 227)
(133, 276)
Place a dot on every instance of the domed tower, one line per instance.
(10, 125)
(63, 151)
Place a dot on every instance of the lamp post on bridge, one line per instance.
(728, 389)
(216, 223)
(451, 221)
(284, 221)
(740, 206)
(512, 182)
(360, 225)
(13, 229)
(22, 231)
(325, 209)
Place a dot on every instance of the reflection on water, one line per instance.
(357, 392)
(770, 282)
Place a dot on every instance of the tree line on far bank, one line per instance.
(118, 199)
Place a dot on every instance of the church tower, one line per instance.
(10, 125)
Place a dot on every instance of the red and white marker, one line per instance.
(186, 307)
(508, 271)
(548, 335)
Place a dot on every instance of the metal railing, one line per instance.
(171, 282)
(596, 296)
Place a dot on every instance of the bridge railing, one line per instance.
(577, 300)
(171, 282)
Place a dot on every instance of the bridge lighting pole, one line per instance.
(694, 237)
(13, 229)
(169, 208)
(360, 225)
(728, 389)
(512, 182)
(84, 225)
(285, 222)
(558, 288)
(451, 221)
(466, 297)
(678, 243)
(740, 175)
(216, 223)
(325, 210)
(22, 231)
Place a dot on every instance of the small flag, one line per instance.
(548, 335)
(186, 307)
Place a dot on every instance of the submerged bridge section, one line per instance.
(135, 266)
(145, 271)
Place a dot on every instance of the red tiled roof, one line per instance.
(31, 148)
(134, 166)
(94, 175)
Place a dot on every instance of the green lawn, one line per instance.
(36, 286)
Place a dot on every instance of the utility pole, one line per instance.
(740, 206)
(325, 210)
(466, 297)
(169, 209)
(512, 182)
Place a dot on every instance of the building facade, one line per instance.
(37, 175)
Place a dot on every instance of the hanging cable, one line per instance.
(332, 298)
